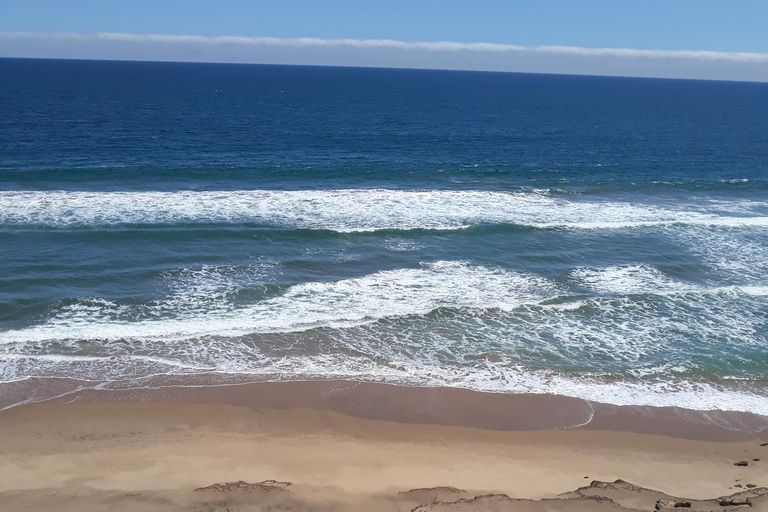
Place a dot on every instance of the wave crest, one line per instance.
(354, 210)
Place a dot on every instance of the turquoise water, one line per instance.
(604, 238)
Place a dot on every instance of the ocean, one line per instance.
(595, 237)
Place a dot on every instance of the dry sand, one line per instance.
(103, 453)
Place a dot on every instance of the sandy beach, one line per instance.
(346, 446)
(384, 256)
(323, 284)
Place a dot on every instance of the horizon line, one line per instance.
(390, 53)
(404, 68)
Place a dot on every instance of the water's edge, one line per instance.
(418, 405)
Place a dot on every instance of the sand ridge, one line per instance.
(270, 495)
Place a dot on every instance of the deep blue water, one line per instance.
(599, 237)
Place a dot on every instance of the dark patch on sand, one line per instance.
(266, 486)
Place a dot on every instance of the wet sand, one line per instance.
(347, 446)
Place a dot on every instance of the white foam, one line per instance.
(397, 244)
(358, 210)
(304, 306)
(489, 377)
(201, 305)
(757, 291)
(733, 253)
(92, 368)
(380, 327)
(628, 280)
(667, 393)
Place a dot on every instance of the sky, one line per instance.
(671, 38)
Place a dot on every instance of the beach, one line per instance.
(288, 446)
(239, 288)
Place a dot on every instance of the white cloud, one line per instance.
(391, 53)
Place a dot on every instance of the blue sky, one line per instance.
(712, 25)
(732, 25)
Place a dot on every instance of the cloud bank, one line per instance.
(390, 53)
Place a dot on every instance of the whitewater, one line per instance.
(605, 239)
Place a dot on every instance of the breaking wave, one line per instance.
(361, 210)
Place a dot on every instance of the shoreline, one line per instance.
(359, 446)
(415, 405)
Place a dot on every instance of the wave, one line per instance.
(353, 210)
(447, 323)
(200, 307)
(450, 307)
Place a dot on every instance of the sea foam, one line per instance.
(200, 311)
(447, 323)
(627, 280)
(359, 210)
